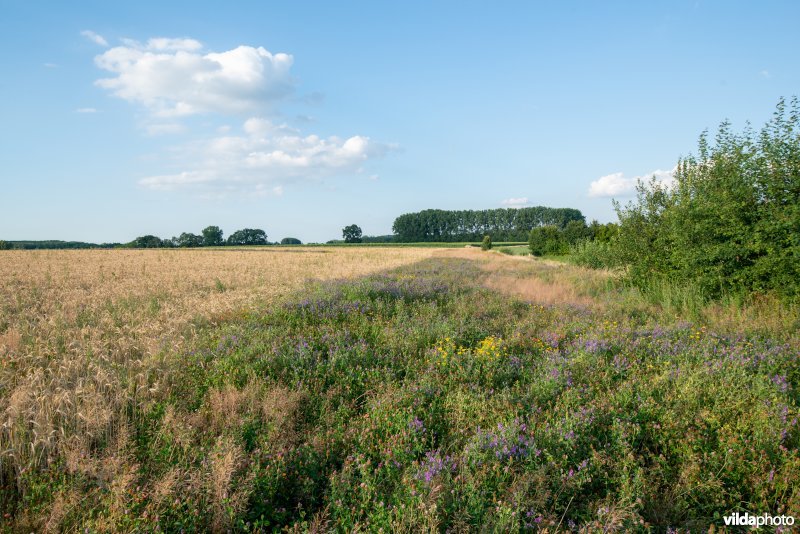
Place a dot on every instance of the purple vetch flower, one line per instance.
(509, 442)
(417, 425)
(620, 362)
(781, 382)
(433, 464)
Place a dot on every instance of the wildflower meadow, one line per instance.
(418, 399)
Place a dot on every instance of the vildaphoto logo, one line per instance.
(764, 520)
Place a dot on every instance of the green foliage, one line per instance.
(248, 236)
(486, 244)
(5, 245)
(731, 223)
(576, 231)
(603, 233)
(212, 236)
(546, 241)
(594, 254)
(291, 241)
(351, 234)
(471, 225)
(378, 239)
(54, 244)
(187, 239)
(147, 241)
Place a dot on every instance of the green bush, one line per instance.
(594, 254)
(730, 224)
(547, 240)
(486, 244)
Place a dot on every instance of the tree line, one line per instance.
(211, 236)
(52, 244)
(503, 224)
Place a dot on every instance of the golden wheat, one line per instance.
(84, 336)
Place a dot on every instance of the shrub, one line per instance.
(291, 241)
(547, 240)
(594, 254)
(486, 244)
(731, 221)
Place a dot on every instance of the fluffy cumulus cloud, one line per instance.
(617, 185)
(263, 158)
(175, 77)
(520, 202)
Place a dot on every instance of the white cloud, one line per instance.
(617, 185)
(94, 37)
(263, 159)
(174, 78)
(765, 74)
(50, 65)
(520, 202)
(86, 110)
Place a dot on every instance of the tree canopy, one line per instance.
(212, 236)
(351, 234)
(248, 236)
(504, 224)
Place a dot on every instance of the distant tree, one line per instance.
(291, 241)
(248, 236)
(187, 239)
(212, 236)
(486, 244)
(5, 245)
(147, 241)
(378, 239)
(545, 240)
(576, 231)
(351, 234)
(503, 224)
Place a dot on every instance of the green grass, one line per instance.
(515, 250)
(417, 400)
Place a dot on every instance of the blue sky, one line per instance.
(127, 118)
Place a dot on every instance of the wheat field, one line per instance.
(84, 334)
